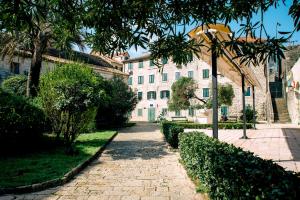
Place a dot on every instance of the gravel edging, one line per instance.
(59, 181)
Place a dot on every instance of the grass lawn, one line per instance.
(49, 164)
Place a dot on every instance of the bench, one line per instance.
(179, 118)
(233, 118)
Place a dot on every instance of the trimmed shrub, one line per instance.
(229, 172)
(15, 84)
(171, 132)
(249, 114)
(19, 118)
(227, 125)
(70, 95)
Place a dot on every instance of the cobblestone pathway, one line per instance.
(136, 165)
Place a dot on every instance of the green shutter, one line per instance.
(154, 95)
(151, 63)
(168, 94)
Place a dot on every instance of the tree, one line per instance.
(70, 95)
(113, 26)
(184, 95)
(183, 91)
(121, 100)
(34, 26)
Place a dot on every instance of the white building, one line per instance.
(153, 88)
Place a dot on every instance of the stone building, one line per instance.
(20, 63)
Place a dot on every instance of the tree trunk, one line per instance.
(40, 44)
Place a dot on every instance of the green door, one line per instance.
(151, 114)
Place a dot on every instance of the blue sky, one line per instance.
(271, 18)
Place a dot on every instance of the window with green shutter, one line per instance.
(151, 95)
(151, 78)
(165, 77)
(141, 64)
(177, 113)
(130, 66)
(191, 112)
(190, 74)
(165, 94)
(140, 95)
(140, 112)
(205, 92)
(205, 73)
(190, 57)
(164, 60)
(140, 79)
(151, 63)
(130, 81)
(248, 92)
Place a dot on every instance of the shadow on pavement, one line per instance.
(292, 137)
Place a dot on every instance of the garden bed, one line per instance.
(51, 164)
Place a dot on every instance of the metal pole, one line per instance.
(214, 88)
(254, 117)
(244, 108)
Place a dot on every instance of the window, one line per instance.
(177, 113)
(190, 74)
(164, 94)
(224, 111)
(164, 60)
(151, 78)
(177, 75)
(15, 68)
(130, 80)
(151, 63)
(140, 112)
(190, 57)
(140, 95)
(164, 111)
(205, 73)
(140, 79)
(151, 95)
(130, 66)
(165, 77)
(205, 92)
(248, 92)
(191, 112)
(141, 64)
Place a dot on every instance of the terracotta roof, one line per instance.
(106, 58)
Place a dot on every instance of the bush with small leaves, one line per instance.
(70, 95)
(15, 84)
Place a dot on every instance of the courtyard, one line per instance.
(138, 164)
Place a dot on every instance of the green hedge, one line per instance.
(19, 117)
(171, 132)
(228, 172)
(227, 125)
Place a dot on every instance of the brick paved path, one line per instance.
(136, 165)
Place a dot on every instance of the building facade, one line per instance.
(153, 88)
(20, 64)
